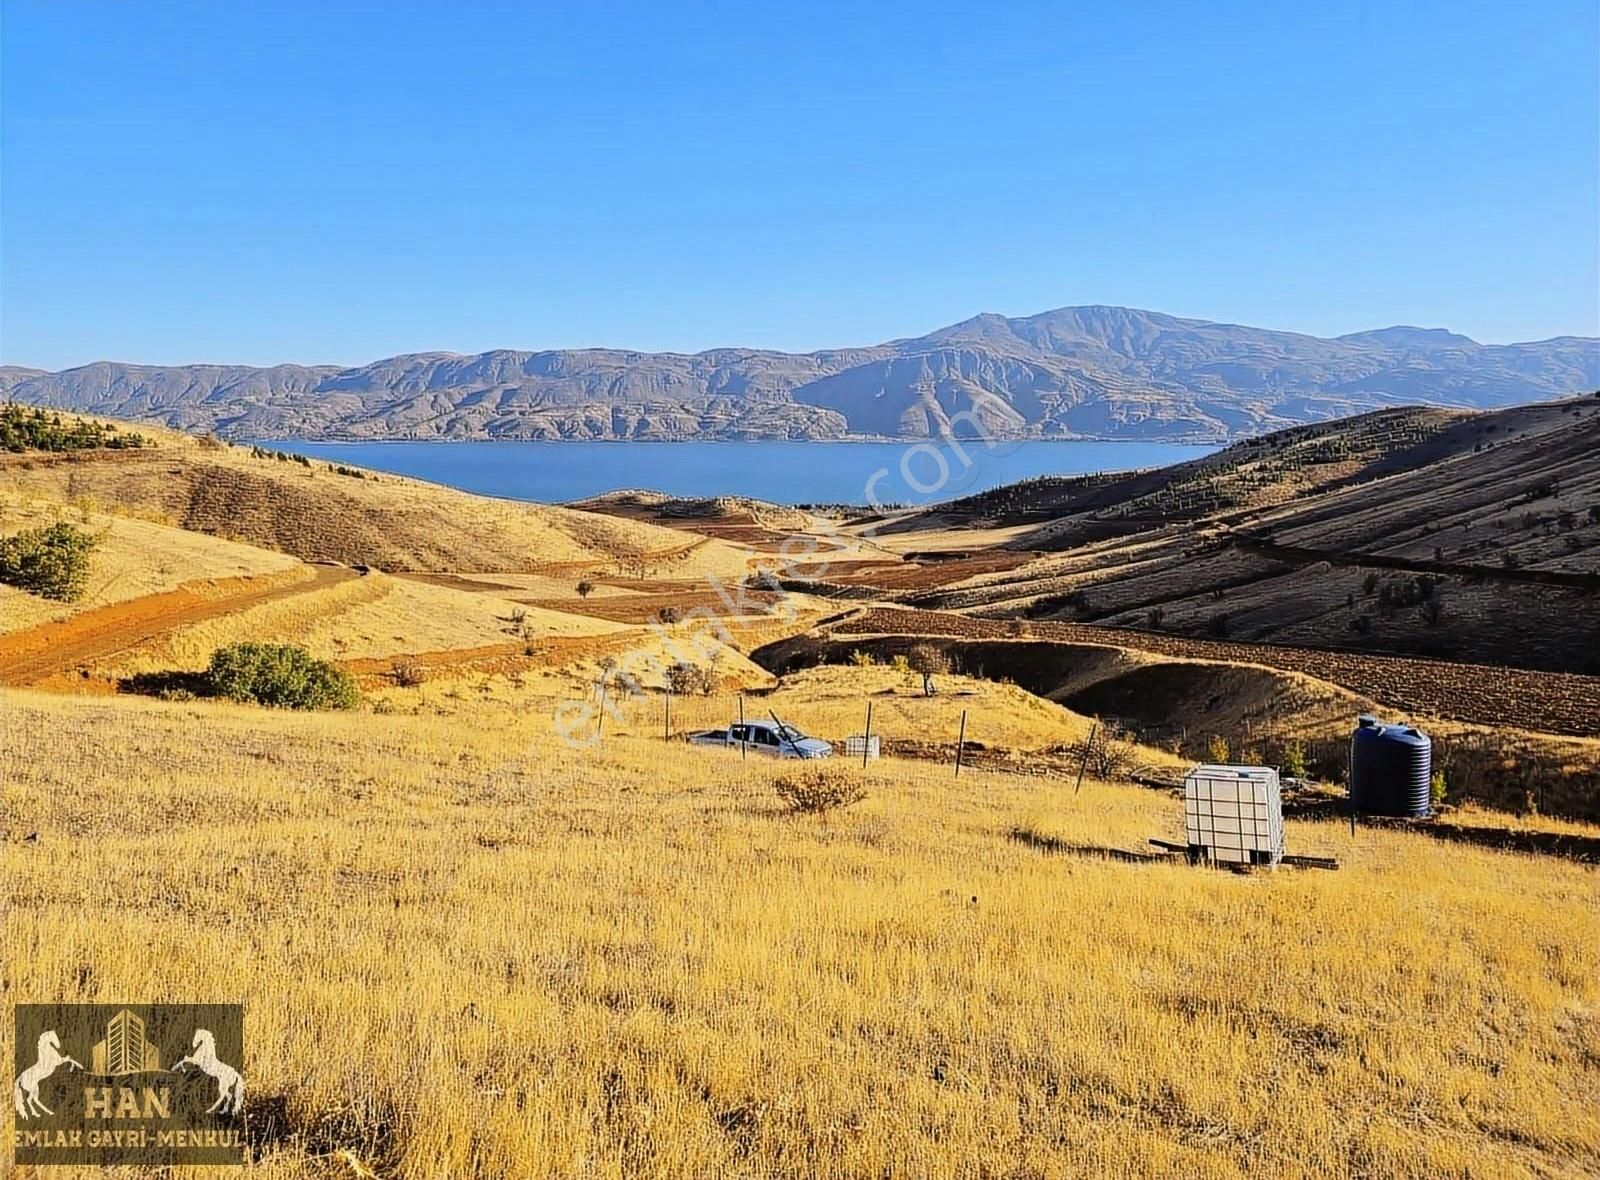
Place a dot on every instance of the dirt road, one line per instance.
(27, 657)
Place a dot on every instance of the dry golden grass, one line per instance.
(134, 558)
(465, 949)
(389, 521)
(830, 702)
(364, 618)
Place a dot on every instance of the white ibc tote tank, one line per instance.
(1234, 814)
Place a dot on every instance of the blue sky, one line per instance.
(335, 182)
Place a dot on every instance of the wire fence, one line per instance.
(948, 750)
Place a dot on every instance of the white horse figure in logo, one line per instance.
(25, 1091)
(230, 1086)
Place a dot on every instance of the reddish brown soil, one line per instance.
(52, 649)
(647, 608)
(926, 575)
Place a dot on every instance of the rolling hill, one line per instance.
(326, 512)
(1463, 536)
(1096, 372)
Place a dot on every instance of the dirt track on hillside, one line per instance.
(1549, 702)
(38, 653)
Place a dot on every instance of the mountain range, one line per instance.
(1077, 372)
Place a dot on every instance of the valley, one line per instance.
(679, 957)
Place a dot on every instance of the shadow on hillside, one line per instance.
(1054, 844)
(364, 1141)
(167, 685)
(1323, 805)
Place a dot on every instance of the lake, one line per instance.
(780, 472)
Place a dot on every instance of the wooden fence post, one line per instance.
(961, 742)
(866, 737)
(1087, 750)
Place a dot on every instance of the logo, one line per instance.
(125, 1106)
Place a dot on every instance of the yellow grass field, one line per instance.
(466, 949)
(134, 558)
(364, 618)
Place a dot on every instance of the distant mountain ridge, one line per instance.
(1092, 372)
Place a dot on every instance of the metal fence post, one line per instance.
(866, 737)
(961, 742)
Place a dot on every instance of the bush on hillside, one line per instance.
(819, 786)
(52, 562)
(280, 675)
(1106, 753)
(686, 679)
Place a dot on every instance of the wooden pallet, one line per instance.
(1294, 862)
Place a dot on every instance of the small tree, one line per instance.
(280, 675)
(585, 588)
(685, 679)
(1106, 753)
(1217, 749)
(1294, 759)
(52, 562)
(670, 614)
(927, 661)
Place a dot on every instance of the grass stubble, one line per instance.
(468, 949)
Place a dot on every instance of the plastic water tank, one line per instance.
(1391, 767)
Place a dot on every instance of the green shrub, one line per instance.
(817, 787)
(1294, 759)
(1436, 788)
(1218, 751)
(280, 675)
(52, 562)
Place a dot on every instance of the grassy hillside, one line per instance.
(1420, 532)
(330, 512)
(633, 961)
(132, 558)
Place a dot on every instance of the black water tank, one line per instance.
(1391, 767)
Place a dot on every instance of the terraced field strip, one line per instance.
(647, 608)
(28, 657)
(495, 658)
(1549, 702)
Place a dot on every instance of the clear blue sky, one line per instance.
(335, 182)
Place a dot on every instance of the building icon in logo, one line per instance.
(124, 1050)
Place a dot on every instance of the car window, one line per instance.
(738, 732)
(768, 737)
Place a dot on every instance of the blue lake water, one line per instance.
(781, 472)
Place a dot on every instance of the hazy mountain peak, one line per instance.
(1087, 371)
(1406, 336)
